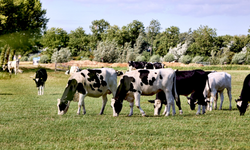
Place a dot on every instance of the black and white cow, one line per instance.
(136, 65)
(155, 65)
(135, 83)
(40, 79)
(12, 65)
(244, 99)
(187, 82)
(89, 82)
(217, 82)
(73, 69)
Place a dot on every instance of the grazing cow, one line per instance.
(12, 65)
(244, 98)
(187, 82)
(89, 82)
(73, 69)
(135, 83)
(136, 65)
(40, 79)
(216, 83)
(155, 65)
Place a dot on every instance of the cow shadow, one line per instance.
(6, 94)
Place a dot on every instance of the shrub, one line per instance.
(155, 58)
(239, 58)
(64, 55)
(106, 51)
(24, 58)
(223, 60)
(197, 59)
(33, 56)
(140, 58)
(168, 58)
(84, 58)
(186, 59)
(44, 59)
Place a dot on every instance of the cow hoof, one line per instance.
(167, 115)
(198, 113)
(129, 115)
(181, 112)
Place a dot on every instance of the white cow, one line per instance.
(73, 69)
(217, 82)
(12, 65)
(135, 83)
(89, 82)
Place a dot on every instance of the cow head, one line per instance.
(121, 92)
(157, 106)
(191, 102)
(62, 106)
(5, 67)
(242, 106)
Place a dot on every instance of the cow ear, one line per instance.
(151, 101)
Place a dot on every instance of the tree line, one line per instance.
(23, 31)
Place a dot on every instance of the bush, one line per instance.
(140, 58)
(239, 58)
(106, 51)
(224, 60)
(186, 59)
(24, 58)
(197, 59)
(64, 55)
(33, 56)
(168, 58)
(44, 59)
(84, 58)
(155, 58)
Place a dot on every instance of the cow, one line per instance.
(155, 65)
(40, 79)
(187, 82)
(136, 65)
(73, 69)
(12, 65)
(135, 83)
(244, 98)
(217, 82)
(89, 82)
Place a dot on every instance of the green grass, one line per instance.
(29, 121)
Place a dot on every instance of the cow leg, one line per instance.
(131, 105)
(221, 99)
(81, 103)
(137, 103)
(230, 97)
(170, 102)
(199, 110)
(165, 110)
(38, 88)
(104, 102)
(212, 98)
(178, 103)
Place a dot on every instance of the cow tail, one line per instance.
(209, 87)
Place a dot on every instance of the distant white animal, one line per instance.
(73, 69)
(217, 82)
(12, 65)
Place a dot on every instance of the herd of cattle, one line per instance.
(146, 79)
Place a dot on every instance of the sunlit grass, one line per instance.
(29, 121)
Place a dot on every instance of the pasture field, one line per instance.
(29, 121)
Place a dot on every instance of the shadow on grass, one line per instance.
(6, 94)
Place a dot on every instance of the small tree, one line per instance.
(63, 55)
(106, 51)
(168, 58)
(197, 59)
(239, 58)
(186, 59)
(155, 58)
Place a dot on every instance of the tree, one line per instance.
(78, 41)
(55, 38)
(152, 30)
(134, 29)
(21, 23)
(99, 27)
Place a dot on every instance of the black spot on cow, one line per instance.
(160, 77)
(62, 106)
(151, 82)
(91, 87)
(144, 76)
(132, 88)
(139, 92)
(80, 88)
(141, 84)
(83, 75)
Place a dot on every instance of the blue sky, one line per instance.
(230, 17)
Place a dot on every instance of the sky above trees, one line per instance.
(227, 16)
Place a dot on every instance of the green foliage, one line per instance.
(155, 58)
(146, 54)
(224, 60)
(140, 58)
(44, 59)
(63, 55)
(84, 54)
(186, 59)
(24, 58)
(55, 38)
(33, 56)
(197, 59)
(168, 58)
(239, 58)
(134, 29)
(98, 27)
(106, 52)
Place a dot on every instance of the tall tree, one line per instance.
(152, 30)
(99, 27)
(134, 29)
(78, 41)
(21, 22)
